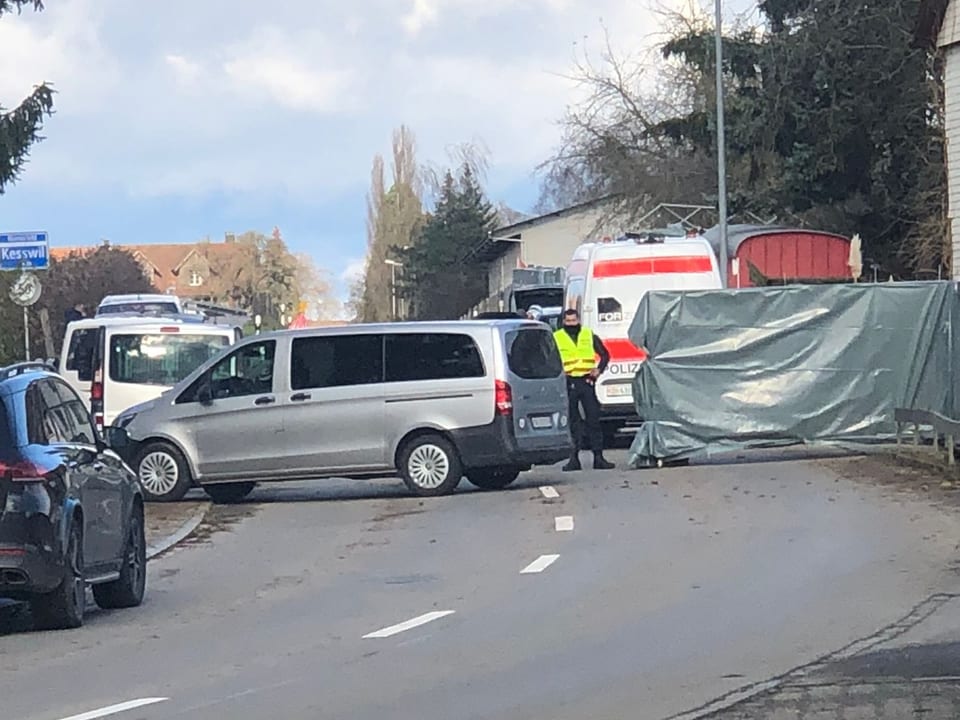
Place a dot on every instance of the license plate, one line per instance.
(619, 391)
(541, 422)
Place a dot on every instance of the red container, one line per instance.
(784, 255)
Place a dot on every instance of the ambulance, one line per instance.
(605, 282)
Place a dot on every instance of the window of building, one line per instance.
(431, 356)
(196, 279)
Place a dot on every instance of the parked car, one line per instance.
(71, 511)
(432, 401)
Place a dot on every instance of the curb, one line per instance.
(180, 535)
(920, 612)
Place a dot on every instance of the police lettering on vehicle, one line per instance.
(625, 368)
(614, 317)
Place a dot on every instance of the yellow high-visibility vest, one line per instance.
(578, 358)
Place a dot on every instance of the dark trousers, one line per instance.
(583, 392)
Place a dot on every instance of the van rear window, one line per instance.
(160, 358)
(143, 308)
(532, 354)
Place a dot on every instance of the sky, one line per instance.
(186, 119)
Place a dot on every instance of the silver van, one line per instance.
(434, 401)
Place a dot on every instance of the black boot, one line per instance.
(573, 464)
(601, 463)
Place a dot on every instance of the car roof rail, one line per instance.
(24, 367)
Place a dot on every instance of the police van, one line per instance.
(605, 282)
(116, 362)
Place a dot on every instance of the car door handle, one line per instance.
(299, 397)
(265, 400)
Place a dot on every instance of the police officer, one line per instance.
(579, 348)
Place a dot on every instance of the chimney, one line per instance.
(229, 237)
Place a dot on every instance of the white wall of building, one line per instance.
(949, 41)
(551, 242)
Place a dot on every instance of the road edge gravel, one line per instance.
(179, 535)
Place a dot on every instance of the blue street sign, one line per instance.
(24, 250)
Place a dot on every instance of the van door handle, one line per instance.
(299, 397)
(265, 400)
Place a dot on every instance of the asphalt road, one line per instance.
(647, 593)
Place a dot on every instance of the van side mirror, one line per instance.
(205, 392)
(115, 437)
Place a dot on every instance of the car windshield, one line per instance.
(160, 358)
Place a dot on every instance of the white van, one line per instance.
(116, 362)
(605, 282)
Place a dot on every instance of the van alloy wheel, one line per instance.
(159, 473)
(429, 466)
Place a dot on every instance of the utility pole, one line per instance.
(721, 147)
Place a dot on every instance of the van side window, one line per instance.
(432, 356)
(336, 361)
(246, 371)
(80, 353)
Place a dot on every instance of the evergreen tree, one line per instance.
(20, 127)
(441, 287)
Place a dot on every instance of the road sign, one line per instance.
(26, 290)
(23, 250)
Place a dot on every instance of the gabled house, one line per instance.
(188, 270)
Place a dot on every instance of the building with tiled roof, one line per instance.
(188, 270)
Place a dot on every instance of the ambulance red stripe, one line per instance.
(622, 350)
(652, 265)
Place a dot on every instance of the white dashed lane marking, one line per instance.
(548, 491)
(540, 564)
(409, 624)
(563, 523)
(114, 709)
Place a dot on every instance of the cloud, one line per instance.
(238, 114)
(423, 13)
(184, 69)
(289, 83)
(354, 270)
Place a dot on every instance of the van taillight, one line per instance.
(503, 397)
(96, 391)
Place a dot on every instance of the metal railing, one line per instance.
(942, 426)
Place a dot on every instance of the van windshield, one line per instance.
(143, 308)
(532, 354)
(160, 358)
